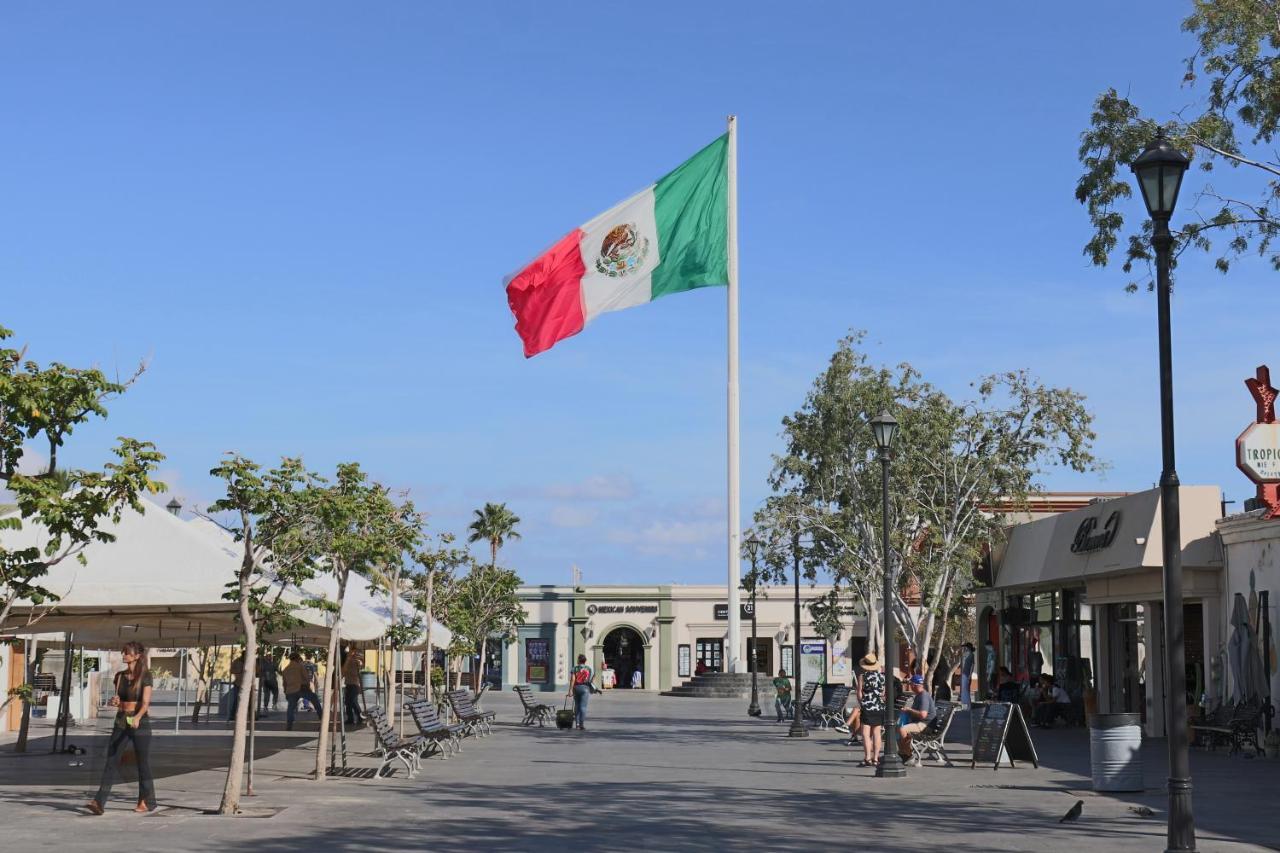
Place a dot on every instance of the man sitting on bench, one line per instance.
(915, 717)
(1053, 702)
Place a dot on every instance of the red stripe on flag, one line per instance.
(546, 296)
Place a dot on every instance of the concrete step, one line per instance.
(717, 685)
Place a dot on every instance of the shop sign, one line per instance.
(1258, 447)
(1258, 453)
(593, 609)
(721, 612)
(1090, 538)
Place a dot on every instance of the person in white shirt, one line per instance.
(1052, 702)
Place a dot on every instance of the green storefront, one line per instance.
(625, 627)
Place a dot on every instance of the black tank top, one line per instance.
(127, 690)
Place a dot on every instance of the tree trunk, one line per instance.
(427, 665)
(235, 769)
(946, 620)
(24, 727)
(202, 684)
(334, 677)
(392, 705)
(478, 675)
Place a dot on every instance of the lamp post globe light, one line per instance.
(1160, 168)
(752, 546)
(885, 428)
(798, 728)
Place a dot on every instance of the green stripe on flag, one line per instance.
(691, 206)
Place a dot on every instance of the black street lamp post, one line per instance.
(798, 728)
(1160, 168)
(752, 546)
(885, 427)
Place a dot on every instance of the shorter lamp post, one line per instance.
(885, 427)
(752, 547)
(798, 728)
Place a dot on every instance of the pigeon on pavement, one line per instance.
(1073, 812)
(1141, 811)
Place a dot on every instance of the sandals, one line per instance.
(94, 807)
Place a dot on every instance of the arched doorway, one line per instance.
(623, 651)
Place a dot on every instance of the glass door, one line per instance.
(763, 657)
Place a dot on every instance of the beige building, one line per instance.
(659, 636)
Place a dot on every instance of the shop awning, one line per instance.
(1113, 537)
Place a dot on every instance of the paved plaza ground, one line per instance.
(650, 773)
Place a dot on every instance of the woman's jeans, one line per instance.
(140, 737)
(292, 700)
(351, 693)
(782, 706)
(581, 693)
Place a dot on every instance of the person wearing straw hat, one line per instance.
(871, 700)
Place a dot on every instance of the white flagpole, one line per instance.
(732, 654)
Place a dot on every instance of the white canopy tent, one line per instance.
(161, 582)
(362, 602)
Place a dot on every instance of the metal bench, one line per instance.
(832, 712)
(1244, 726)
(438, 736)
(475, 721)
(931, 743)
(391, 746)
(534, 711)
(805, 702)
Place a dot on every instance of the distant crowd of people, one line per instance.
(298, 674)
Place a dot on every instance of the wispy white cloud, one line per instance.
(599, 487)
(669, 538)
(570, 516)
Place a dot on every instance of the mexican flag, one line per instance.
(668, 238)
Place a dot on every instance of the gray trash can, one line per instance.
(1115, 752)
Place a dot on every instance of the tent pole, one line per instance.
(177, 707)
(82, 685)
(64, 703)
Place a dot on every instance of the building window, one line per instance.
(711, 654)
(683, 665)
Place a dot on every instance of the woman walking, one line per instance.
(132, 724)
(871, 699)
(580, 690)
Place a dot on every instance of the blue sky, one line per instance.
(301, 214)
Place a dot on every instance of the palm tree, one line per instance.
(496, 525)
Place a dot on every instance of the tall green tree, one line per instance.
(360, 526)
(270, 514)
(953, 461)
(41, 406)
(435, 587)
(395, 577)
(494, 525)
(486, 605)
(1232, 73)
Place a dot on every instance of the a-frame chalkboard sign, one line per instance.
(1003, 736)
